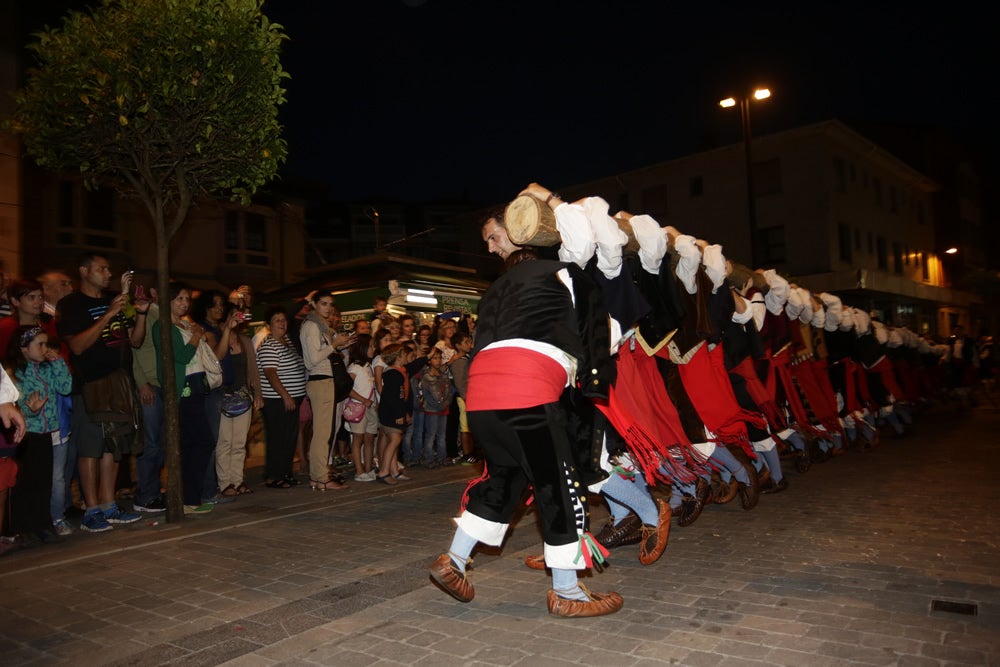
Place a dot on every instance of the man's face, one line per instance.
(97, 274)
(55, 286)
(497, 241)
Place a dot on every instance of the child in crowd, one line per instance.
(392, 411)
(60, 451)
(363, 432)
(42, 375)
(436, 391)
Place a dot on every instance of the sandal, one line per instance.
(324, 486)
(229, 491)
(277, 484)
(291, 480)
(402, 478)
(243, 489)
(386, 479)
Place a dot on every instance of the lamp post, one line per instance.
(372, 214)
(744, 104)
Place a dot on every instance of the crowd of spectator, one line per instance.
(83, 445)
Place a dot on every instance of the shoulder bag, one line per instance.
(354, 410)
(213, 369)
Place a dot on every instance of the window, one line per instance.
(883, 254)
(772, 244)
(844, 242)
(654, 201)
(893, 201)
(66, 199)
(897, 257)
(696, 186)
(854, 174)
(877, 187)
(857, 239)
(920, 214)
(86, 217)
(767, 178)
(871, 243)
(925, 271)
(841, 170)
(98, 211)
(906, 255)
(246, 239)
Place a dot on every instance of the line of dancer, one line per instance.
(629, 357)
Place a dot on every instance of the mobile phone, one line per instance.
(125, 283)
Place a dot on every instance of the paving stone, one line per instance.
(789, 583)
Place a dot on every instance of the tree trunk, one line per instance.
(171, 426)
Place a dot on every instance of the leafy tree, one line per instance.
(169, 100)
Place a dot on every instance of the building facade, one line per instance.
(835, 212)
(221, 246)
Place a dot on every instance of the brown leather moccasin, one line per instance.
(535, 562)
(599, 604)
(451, 579)
(654, 538)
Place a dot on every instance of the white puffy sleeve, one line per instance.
(777, 292)
(607, 235)
(652, 242)
(577, 237)
(715, 265)
(834, 310)
(687, 267)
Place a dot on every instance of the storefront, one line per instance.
(419, 287)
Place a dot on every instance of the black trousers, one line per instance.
(30, 497)
(281, 428)
(522, 447)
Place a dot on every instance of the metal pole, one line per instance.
(751, 204)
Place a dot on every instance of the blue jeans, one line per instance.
(413, 440)
(213, 410)
(57, 502)
(435, 437)
(150, 462)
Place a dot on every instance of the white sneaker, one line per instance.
(365, 477)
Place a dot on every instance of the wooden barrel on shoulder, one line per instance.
(530, 221)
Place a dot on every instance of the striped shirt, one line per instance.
(291, 369)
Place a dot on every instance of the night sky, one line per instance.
(445, 98)
(427, 99)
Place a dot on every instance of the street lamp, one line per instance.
(744, 104)
(372, 214)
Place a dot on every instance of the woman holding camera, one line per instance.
(241, 387)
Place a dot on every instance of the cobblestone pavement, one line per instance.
(842, 569)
